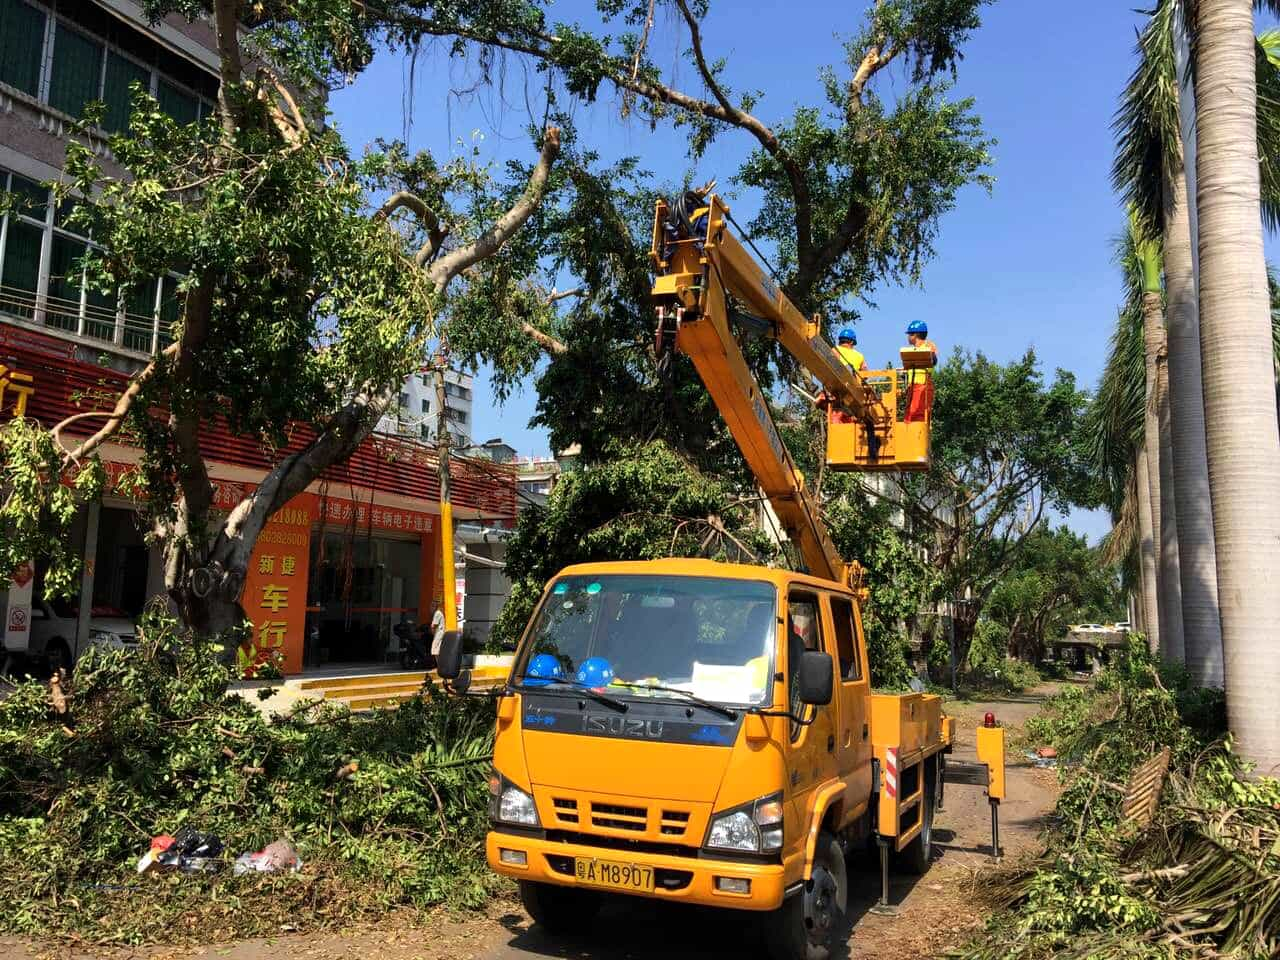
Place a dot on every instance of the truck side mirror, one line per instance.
(449, 659)
(815, 678)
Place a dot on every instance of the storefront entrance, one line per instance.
(361, 586)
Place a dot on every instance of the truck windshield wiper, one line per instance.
(594, 694)
(726, 712)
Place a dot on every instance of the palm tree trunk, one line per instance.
(1202, 630)
(1172, 639)
(1241, 430)
(1147, 553)
(1163, 520)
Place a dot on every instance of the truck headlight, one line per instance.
(754, 827)
(509, 804)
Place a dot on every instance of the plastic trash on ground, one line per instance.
(273, 858)
(189, 851)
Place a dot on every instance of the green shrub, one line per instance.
(152, 742)
(1202, 879)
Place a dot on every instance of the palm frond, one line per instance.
(1268, 95)
(1146, 124)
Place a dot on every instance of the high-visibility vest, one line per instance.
(852, 357)
(921, 376)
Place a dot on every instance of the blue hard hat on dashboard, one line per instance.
(543, 669)
(918, 327)
(595, 672)
(848, 333)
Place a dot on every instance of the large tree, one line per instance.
(1008, 451)
(303, 307)
(1057, 579)
(1242, 433)
(1148, 171)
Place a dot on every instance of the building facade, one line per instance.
(417, 415)
(341, 564)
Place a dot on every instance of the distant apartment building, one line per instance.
(417, 415)
(346, 559)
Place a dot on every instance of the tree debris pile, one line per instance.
(1202, 879)
(385, 810)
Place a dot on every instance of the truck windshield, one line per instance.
(711, 637)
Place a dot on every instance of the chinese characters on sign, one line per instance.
(275, 591)
(383, 518)
(15, 388)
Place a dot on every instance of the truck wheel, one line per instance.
(803, 927)
(919, 851)
(558, 909)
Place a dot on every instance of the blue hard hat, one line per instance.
(848, 333)
(546, 668)
(918, 327)
(595, 672)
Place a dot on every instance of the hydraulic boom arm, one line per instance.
(700, 264)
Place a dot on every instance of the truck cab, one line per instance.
(693, 731)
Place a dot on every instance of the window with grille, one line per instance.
(22, 29)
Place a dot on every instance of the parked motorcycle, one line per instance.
(415, 645)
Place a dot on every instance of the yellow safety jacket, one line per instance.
(852, 357)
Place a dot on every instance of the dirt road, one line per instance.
(935, 910)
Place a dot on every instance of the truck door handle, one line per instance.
(831, 743)
(864, 731)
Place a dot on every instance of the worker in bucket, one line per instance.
(920, 382)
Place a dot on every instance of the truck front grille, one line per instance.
(617, 817)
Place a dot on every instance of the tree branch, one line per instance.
(116, 417)
(768, 139)
(490, 242)
(544, 340)
(426, 216)
(226, 16)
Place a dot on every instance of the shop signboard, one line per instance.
(275, 589)
(17, 621)
(15, 388)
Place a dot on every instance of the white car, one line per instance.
(53, 630)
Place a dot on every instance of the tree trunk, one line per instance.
(1202, 630)
(1153, 342)
(1172, 638)
(1147, 553)
(1241, 430)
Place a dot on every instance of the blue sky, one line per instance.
(1026, 266)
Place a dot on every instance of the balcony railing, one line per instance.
(86, 321)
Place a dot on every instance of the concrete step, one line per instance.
(357, 680)
(387, 689)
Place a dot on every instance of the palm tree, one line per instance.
(1241, 427)
(1148, 171)
(1116, 428)
(1157, 449)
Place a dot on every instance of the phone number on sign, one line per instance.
(282, 537)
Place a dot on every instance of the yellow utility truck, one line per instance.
(706, 732)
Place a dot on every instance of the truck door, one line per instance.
(812, 757)
(853, 694)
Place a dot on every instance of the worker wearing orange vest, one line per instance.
(847, 348)
(920, 382)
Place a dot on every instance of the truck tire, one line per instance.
(917, 854)
(558, 909)
(804, 926)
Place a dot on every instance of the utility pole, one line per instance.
(450, 599)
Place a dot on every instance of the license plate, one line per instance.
(616, 876)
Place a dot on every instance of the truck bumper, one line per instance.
(684, 879)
